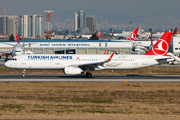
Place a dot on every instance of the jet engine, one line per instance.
(72, 70)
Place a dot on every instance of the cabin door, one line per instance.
(23, 60)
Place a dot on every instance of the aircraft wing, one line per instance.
(163, 59)
(9, 44)
(6, 52)
(43, 51)
(120, 51)
(136, 45)
(52, 50)
(95, 64)
(121, 35)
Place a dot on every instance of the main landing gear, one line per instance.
(24, 73)
(6, 59)
(89, 75)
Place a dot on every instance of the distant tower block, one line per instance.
(48, 28)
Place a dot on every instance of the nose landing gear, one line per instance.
(24, 73)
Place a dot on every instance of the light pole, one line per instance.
(130, 29)
(98, 26)
(130, 34)
(69, 27)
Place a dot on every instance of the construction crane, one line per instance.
(4, 10)
(48, 33)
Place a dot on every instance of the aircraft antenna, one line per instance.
(48, 28)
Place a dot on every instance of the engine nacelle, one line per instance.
(72, 70)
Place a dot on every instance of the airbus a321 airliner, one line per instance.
(78, 63)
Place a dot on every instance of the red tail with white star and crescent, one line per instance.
(133, 35)
(162, 45)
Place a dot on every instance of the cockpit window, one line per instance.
(17, 51)
(14, 59)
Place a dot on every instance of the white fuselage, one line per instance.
(17, 50)
(54, 61)
(143, 43)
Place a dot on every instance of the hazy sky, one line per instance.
(129, 7)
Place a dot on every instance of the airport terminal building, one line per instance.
(69, 46)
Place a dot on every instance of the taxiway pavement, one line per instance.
(95, 78)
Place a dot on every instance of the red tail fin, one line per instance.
(104, 52)
(16, 37)
(161, 46)
(175, 31)
(99, 34)
(133, 34)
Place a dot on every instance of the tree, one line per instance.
(11, 38)
(38, 36)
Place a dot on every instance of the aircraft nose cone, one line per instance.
(7, 64)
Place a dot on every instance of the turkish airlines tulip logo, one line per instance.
(160, 48)
(133, 36)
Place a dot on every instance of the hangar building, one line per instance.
(69, 46)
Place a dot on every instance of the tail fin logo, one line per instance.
(16, 37)
(161, 48)
(133, 36)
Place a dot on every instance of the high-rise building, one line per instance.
(24, 25)
(79, 20)
(75, 21)
(91, 24)
(9, 25)
(39, 26)
(32, 26)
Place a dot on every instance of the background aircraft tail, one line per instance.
(133, 35)
(162, 45)
(175, 31)
(99, 34)
(16, 37)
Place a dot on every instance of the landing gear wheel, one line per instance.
(89, 75)
(23, 75)
(5, 59)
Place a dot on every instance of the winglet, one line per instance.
(161, 46)
(175, 31)
(104, 52)
(111, 56)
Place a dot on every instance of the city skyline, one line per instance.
(31, 26)
(155, 13)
